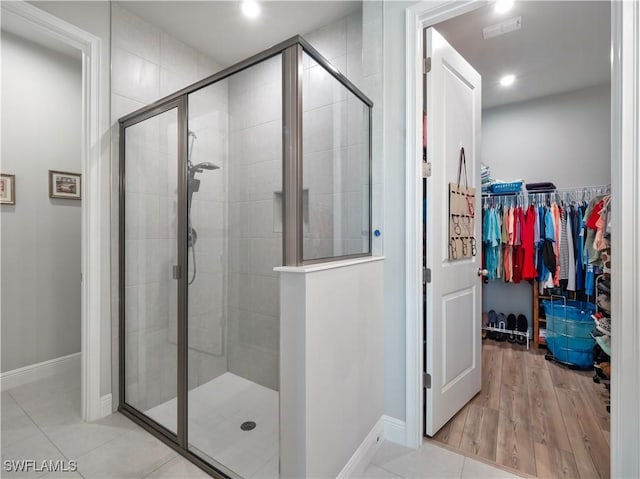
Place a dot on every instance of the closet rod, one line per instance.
(603, 189)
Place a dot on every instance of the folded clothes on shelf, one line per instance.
(540, 187)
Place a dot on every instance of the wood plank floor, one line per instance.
(534, 416)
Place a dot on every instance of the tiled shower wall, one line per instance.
(334, 145)
(148, 64)
(335, 123)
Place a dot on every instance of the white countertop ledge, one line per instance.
(312, 268)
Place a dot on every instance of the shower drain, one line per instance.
(248, 425)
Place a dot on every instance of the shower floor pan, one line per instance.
(217, 410)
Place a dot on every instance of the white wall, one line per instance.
(331, 360)
(41, 113)
(394, 207)
(562, 138)
(94, 17)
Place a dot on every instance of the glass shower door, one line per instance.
(150, 197)
(234, 241)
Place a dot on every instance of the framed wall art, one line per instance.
(65, 185)
(7, 189)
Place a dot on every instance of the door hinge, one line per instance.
(426, 169)
(177, 271)
(426, 65)
(426, 380)
(426, 275)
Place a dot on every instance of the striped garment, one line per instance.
(564, 246)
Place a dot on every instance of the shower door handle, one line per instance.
(177, 271)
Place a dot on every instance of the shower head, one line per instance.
(204, 166)
(193, 134)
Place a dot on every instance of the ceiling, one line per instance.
(562, 46)
(220, 30)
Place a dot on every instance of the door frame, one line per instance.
(625, 183)
(92, 230)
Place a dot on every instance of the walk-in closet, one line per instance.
(542, 164)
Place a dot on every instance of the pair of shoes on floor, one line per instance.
(498, 321)
(519, 324)
(492, 322)
(501, 323)
(508, 324)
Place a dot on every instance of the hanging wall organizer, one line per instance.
(462, 243)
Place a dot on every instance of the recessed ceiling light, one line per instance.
(250, 8)
(507, 80)
(503, 6)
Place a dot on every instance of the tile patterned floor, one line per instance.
(429, 462)
(41, 421)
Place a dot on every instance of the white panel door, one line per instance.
(453, 309)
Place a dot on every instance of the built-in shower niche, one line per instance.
(210, 222)
(278, 209)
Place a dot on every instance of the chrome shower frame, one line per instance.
(291, 51)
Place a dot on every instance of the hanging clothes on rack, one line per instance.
(507, 249)
(556, 239)
(556, 245)
(491, 239)
(571, 273)
(580, 266)
(549, 256)
(529, 271)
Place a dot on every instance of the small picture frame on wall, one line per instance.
(7, 189)
(63, 184)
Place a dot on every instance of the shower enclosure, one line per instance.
(266, 163)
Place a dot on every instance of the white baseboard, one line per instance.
(33, 372)
(362, 457)
(395, 430)
(106, 406)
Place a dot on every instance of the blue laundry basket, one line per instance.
(569, 326)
